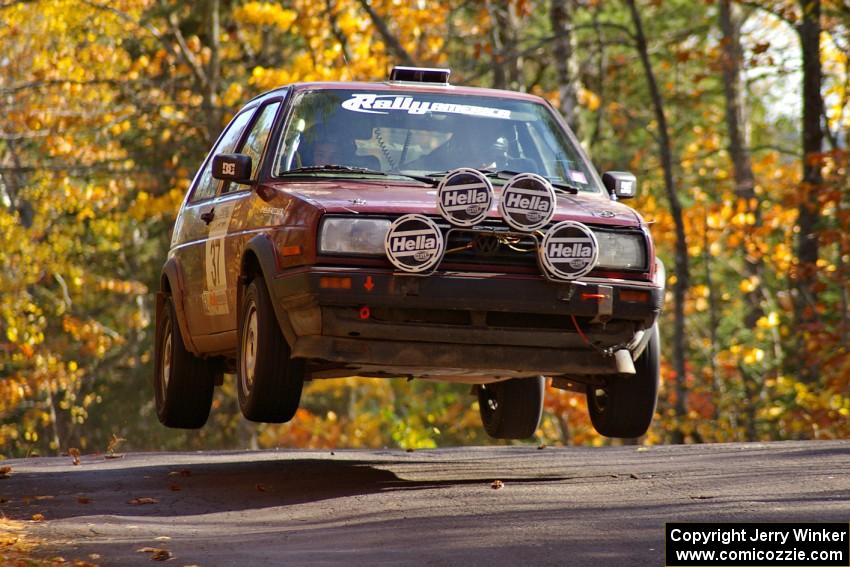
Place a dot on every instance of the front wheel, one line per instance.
(511, 409)
(183, 382)
(625, 405)
(269, 381)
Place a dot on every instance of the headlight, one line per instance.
(357, 236)
(621, 251)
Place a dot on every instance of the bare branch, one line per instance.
(188, 56)
(388, 37)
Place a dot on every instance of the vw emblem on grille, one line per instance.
(486, 244)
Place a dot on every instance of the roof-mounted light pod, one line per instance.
(420, 75)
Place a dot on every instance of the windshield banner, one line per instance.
(371, 103)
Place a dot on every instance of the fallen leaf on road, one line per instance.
(157, 554)
(410, 449)
(83, 499)
(497, 484)
(163, 538)
(642, 449)
(45, 497)
(634, 476)
(181, 472)
(541, 446)
(75, 455)
(142, 500)
(5, 472)
(261, 488)
(38, 517)
(174, 488)
(113, 445)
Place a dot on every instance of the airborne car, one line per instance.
(415, 229)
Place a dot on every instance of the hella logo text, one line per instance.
(413, 243)
(535, 203)
(569, 251)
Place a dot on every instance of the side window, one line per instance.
(207, 185)
(256, 140)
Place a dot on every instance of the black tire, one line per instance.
(511, 409)
(269, 382)
(183, 383)
(625, 406)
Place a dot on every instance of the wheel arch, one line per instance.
(171, 283)
(260, 259)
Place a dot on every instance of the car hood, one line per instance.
(373, 197)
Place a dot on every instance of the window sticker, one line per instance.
(371, 103)
(578, 177)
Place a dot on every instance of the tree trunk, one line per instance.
(809, 212)
(561, 18)
(732, 58)
(507, 64)
(211, 102)
(682, 270)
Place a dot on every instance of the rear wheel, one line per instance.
(511, 409)
(269, 381)
(183, 382)
(625, 405)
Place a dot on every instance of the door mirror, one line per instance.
(620, 184)
(232, 167)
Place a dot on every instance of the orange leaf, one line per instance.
(142, 500)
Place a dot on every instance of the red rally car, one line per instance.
(409, 228)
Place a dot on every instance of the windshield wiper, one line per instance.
(507, 174)
(334, 168)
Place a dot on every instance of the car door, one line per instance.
(239, 200)
(202, 262)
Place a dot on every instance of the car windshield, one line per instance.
(418, 134)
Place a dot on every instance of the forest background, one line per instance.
(734, 115)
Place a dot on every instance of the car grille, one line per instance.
(489, 243)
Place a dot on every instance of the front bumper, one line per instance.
(381, 322)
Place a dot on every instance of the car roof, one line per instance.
(398, 86)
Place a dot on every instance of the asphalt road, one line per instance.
(557, 506)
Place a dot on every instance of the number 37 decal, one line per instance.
(215, 294)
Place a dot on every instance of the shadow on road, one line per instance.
(204, 487)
